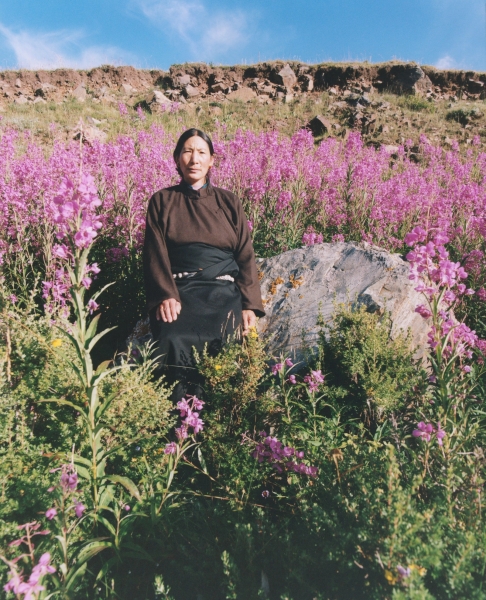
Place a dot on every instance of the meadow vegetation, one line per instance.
(357, 475)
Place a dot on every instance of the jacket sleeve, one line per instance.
(159, 283)
(247, 279)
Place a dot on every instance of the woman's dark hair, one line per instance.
(189, 133)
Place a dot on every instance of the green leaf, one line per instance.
(106, 567)
(97, 338)
(107, 524)
(93, 326)
(83, 472)
(127, 483)
(76, 407)
(202, 461)
(103, 366)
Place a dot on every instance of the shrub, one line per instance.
(379, 373)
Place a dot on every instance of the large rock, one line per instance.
(286, 77)
(299, 285)
(409, 79)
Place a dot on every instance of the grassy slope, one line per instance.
(406, 117)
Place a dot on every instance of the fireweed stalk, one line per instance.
(74, 209)
(159, 491)
(452, 343)
(66, 515)
(282, 458)
(28, 588)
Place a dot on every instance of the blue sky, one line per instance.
(157, 33)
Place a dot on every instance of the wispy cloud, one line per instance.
(63, 48)
(446, 62)
(206, 34)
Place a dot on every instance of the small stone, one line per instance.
(219, 87)
(39, 100)
(126, 88)
(244, 94)
(183, 80)
(21, 100)
(307, 83)
(287, 77)
(191, 91)
(319, 125)
(158, 97)
(18, 83)
(80, 93)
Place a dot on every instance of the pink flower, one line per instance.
(51, 513)
(403, 572)
(170, 448)
(288, 362)
(92, 306)
(79, 509)
(423, 311)
(440, 434)
(424, 431)
(276, 368)
(291, 379)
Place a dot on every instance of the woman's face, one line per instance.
(195, 160)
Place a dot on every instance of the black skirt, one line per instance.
(211, 312)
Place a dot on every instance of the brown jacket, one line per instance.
(211, 215)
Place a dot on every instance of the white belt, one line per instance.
(188, 275)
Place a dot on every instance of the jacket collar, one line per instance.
(203, 192)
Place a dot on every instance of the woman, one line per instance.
(200, 273)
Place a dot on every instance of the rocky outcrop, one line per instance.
(299, 286)
(270, 81)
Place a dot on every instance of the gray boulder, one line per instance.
(299, 285)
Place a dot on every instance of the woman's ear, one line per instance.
(211, 162)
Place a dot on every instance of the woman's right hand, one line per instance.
(168, 310)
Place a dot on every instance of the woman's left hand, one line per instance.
(249, 320)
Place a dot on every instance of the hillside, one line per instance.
(388, 103)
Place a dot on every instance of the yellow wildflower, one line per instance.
(420, 570)
(253, 333)
(56, 343)
(390, 577)
(218, 367)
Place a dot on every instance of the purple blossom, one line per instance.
(92, 306)
(425, 431)
(170, 448)
(403, 572)
(79, 509)
(292, 379)
(271, 450)
(51, 513)
(276, 368)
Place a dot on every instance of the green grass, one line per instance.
(407, 117)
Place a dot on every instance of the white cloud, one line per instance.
(63, 48)
(446, 62)
(207, 34)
